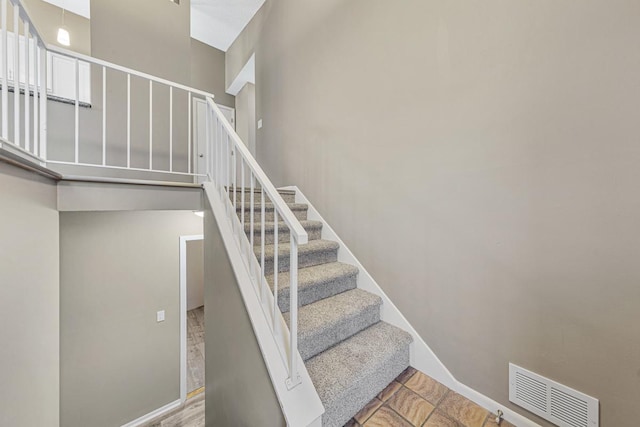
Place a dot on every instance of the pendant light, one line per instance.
(63, 34)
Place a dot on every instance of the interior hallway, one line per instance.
(191, 414)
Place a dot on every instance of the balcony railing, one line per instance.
(154, 133)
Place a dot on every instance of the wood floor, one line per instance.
(411, 400)
(195, 349)
(191, 414)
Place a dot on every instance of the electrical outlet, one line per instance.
(160, 316)
(260, 124)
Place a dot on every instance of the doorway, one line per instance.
(192, 325)
(200, 132)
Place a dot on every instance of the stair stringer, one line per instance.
(422, 357)
(301, 406)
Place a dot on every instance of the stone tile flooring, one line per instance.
(417, 400)
(411, 400)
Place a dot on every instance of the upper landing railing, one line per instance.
(139, 122)
(100, 107)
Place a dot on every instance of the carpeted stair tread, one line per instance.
(350, 374)
(284, 248)
(316, 282)
(299, 210)
(289, 196)
(258, 189)
(313, 229)
(282, 227)
(313, 253)
(269, 206)
(327, 322)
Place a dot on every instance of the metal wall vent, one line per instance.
(550, 400)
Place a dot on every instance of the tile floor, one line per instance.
(416, 400)
(411, 400)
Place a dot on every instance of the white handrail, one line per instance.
(289, 218)
(228, 163)
(227, 149)
(35, 142)
(26, 17)
(92, 60)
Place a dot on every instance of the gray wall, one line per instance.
(246, 116)
(481, 159)
(238, 388)
(48, 18)
(29, 292)
(116, 270)
(208, 70)
(146, 35)
(243, 46)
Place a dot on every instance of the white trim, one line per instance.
(301, 406)
(295, 228)
(183, 339)
(183, 313)
(230, 110)
(246, 75)
(422, 357)
(154, 414)
(204, 144)
(92, 60)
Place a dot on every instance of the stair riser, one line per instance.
(304, 260)
(269, 215)
(314, 344)
(317, 292)
(288, 198)
(283, 236)
(361, 393)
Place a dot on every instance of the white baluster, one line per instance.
(171, 130)
(104, 115)
(262, 216)
(16, 75)
(77, 110)
(43, 102)
(275, 323)
(293, 311)
(5, 72)
(150, 124)
(128, 120)
(27, 113)
(189, 142)
(36, 85)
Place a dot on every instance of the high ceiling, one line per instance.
(79, 7)
(219, 22)
(214, 22)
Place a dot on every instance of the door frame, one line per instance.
(183, 312)
(196, 125)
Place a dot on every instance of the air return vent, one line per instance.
(550, 400)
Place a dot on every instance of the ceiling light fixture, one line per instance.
(63, 34)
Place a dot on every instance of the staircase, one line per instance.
(349, 353)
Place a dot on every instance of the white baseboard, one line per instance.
(153, 414)
(422, 357)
